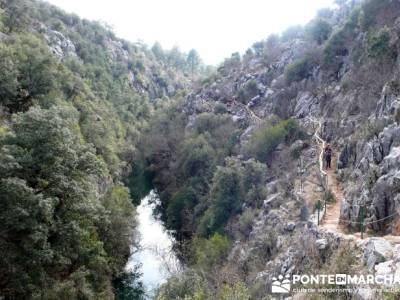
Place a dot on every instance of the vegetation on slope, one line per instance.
(73, 99)
(79, 108)
(209, 188)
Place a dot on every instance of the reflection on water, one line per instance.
(155, 255)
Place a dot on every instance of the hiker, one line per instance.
(328, 156)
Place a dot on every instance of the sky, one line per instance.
(215, 28)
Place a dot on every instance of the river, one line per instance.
(155, 254)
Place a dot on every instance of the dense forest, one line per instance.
(91, 123)
(73, 100)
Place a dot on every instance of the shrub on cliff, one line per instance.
(265, 140)
(248, 91)
(225, 200)
(302, 68)
(319, 30)
(378, 43)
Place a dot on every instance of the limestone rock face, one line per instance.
(362, 123)
(388, 105)
(346, 156)
(321, 243)
(392, 161)
(376, 166)
(377, 251)
(59, 44)
(306, 104)
(384, 268)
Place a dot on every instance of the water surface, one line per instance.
(155, 255)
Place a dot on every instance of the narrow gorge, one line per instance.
(129, 171)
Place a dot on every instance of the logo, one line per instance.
(341, 279)
(344, 283)
(280, 285)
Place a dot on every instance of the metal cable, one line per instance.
(322, 146)
(371, 222)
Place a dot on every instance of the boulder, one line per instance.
(396, 253)
(268, 93)
(365, 293)
(345, 157)
(273, 201)
(290, 226)
(321, 244)
(386, 187)
(274, 187)
(388, 137)
(304, 213)
(363, 165)
(368, 152)
(347, 127)
(384, 268)
(392, 161)
(377, 151)
(377, 251)
(388, 104)
(397, 270)
(256, 100)
(298, 145)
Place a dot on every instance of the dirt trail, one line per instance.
(332, 215)
(331, 219)
(253, 117)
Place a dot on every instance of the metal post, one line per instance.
(318, 209)
(301, 184)
(362, 221)
(301, 172)
(326, 182)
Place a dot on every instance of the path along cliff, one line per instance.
(331, 218)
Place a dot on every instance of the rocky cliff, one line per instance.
(357, 102)
(342, 70)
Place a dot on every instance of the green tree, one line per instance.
(31, 72)
(193, 60)
(292, 32)
(197, 162)
(180, 209)
(120, 223)
(16, 12)
(369, 11)
(265, 140)
(302, 68)
(232, 62)
(253, 182)
(51, 217)
(379, 43)
(176, 58)
(187, 286)
(319, 30)
(210, 253)
(158, 51)
(128, 286)
(248, 91)
(226, 198)
(236, 291)
(219, 130)
(9, 75)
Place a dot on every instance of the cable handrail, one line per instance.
(253, 116)
(371, 222)
(322, 146)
